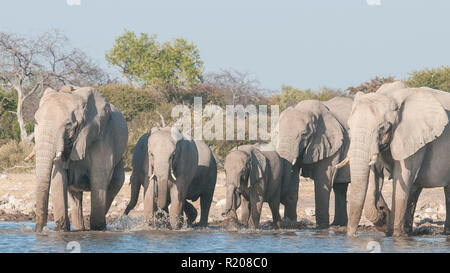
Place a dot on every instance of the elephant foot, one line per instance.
(62, 225)
(339, 223)
(321, 226)
(39, 228)
(100, 226)
(446, 231)
(191, 217)
(231, 223)
(398, 233)
(351, 231)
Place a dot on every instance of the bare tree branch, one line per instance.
(29, 65)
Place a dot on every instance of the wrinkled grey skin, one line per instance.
(80, 140)
(313, 138)
(406, 130)
(193, 165)
(253, 177)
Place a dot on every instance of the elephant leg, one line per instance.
(149, 202)
(404, 174)
(411, 207)
(205, 205)
(190, 211)
(59, 198)
(256, 203)
(322, 203)
(245, 211)
(76, 211)
(99, 190)
(447, 210)
(115, 185)
(340, 204)
(291, 198)
(274, 205)
(177, 203)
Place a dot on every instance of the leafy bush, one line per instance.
(371, 85)
(12, 153)
(130, 101)
(290, 96)
(437, 78)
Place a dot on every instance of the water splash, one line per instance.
(127, 223)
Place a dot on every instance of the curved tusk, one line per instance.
(30, 156)
(373, 160)
(57, 157)
(343, 163)
(151, 177)
(173, 175)
(294, 161)
(162, 119)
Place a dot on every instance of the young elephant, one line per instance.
(173, 168)
(257, 177)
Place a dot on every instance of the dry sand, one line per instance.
(17, 203)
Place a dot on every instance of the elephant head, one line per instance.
(395, 120)
(244, 167)
(164, 158)
(308, 133)
(66, 124)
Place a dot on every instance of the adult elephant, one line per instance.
(254, 176)
(173, 169)
(406, 130)
(80, 140)
(313, 138)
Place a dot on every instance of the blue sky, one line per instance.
(306, 44)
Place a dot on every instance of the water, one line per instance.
(19, 237)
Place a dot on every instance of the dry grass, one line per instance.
(12, 154)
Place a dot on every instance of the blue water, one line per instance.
(19, 237)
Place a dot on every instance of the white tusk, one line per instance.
(151, 177)
(342, 163)
(173, 175)
(373, 160)
(57, 157)
(294, 161)
(30, 156)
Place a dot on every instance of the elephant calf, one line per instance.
(173, 169)
(253, 177)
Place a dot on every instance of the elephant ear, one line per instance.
(92, 115)
(327, 138)
(258, 167)
(422, 119)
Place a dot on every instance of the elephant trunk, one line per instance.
(162, 171)
(45, 154)
(231, 201)
(134, 195)
(287, 152)
(375, 208)
(359, 171)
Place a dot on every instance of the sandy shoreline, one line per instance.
(17, 204)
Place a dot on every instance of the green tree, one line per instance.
(170, 65)
(437, 78)
(290, 96)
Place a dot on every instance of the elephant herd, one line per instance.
(399, 132)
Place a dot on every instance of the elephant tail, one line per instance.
(135, 188)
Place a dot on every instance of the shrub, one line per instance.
(130, 101)
(371, 85)
(437, 78)
(290, 96)
(12, 153)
